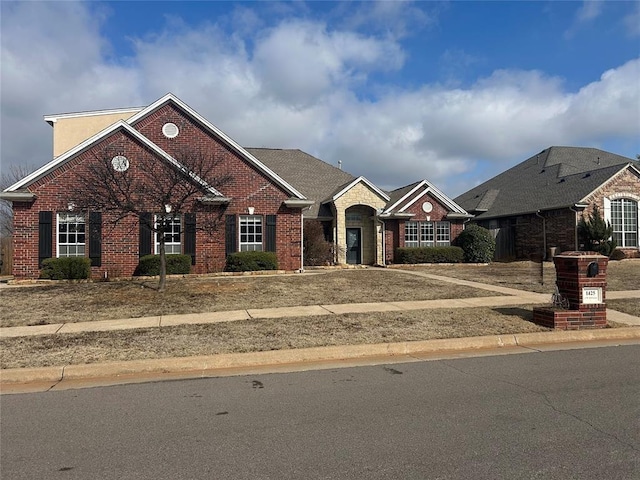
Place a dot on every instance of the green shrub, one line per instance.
(66, 268)
(149, 265)
(251, 261)
(428, 255)
(477, 243)
(595, 233)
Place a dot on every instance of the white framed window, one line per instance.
(624, 220)
(250, 233)
(443, 234)
(172, 235)
(426, 234)
(411, 234)
(71, 235)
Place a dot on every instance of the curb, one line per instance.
(201, 366)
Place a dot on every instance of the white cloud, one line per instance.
(298, 87)
(632, 21)
(300, 62)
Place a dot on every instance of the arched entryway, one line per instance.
(360, 235)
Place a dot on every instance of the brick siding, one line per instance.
(248, 187)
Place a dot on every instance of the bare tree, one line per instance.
(123, 185)
(15, 173)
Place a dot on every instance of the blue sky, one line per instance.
(454, 92)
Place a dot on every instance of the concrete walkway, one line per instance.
(507, 297)
(23, 380)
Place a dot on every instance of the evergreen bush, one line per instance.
(595, 234)
(251, 262)
(477, 243)
(413, 255)
(149, 265)
(66, 268)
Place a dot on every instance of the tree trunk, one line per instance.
(163, 262)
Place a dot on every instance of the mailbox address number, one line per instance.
(591, 295)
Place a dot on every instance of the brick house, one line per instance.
(537, 204)
(263, 206)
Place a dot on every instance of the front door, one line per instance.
(354, 251)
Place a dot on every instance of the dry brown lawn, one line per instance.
(83, 302)
(262, 335)
(64, 302)
(534, 277)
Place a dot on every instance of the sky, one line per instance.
(452, 92)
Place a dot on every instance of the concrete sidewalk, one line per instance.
(507, 297)
(78, 376)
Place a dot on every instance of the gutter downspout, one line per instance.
(384, 243)
(575, 229)
(575, 226)
(544, 235)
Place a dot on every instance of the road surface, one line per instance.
(551, 415)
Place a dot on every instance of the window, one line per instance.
(172, 230)
(71, 235)
(443, 237)
(250, 233)
(431, 233)
(411, 234)
(624, 220)
(426, 234)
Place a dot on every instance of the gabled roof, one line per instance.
(90, 142)
(130, 123)
(345, 188)
(557, 177)
(219, 134)
(51, 119)
(401, 199)
(315, 179)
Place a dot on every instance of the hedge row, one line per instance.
(251, 261)
(149, 265)
(429, 255)
(66, 268)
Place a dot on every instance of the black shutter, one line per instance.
(144, 245)
(190, 236)
(270, 234)
(230, 235)
(44, 236)
(95, 239)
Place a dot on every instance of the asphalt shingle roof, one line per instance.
(556, 177)
(315, 179)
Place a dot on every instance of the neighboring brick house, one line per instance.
(263, 206)
(538, 203)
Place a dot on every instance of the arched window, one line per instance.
(624, 220)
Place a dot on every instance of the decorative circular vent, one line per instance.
(427, 207)
(170, 130)
(120, 163)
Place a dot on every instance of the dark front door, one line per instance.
(354, 253)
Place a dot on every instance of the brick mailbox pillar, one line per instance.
(581, 278)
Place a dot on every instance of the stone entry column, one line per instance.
(581, 278)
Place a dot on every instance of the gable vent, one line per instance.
(170, 130)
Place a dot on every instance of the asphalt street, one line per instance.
(571, 414)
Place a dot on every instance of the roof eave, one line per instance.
(298, 203)
(214, 200)
(17, 196)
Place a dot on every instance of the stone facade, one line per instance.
(362, 199)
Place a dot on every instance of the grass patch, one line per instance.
(526, 275)
(83, 302)
(630, 306)
(263, 335)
